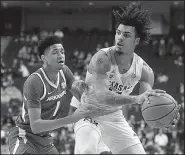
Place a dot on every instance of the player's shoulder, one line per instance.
(103, 53)
(67, 72)
(107, 50)
(65, 69)
(34, 80)
(100, 61)
(139, 58)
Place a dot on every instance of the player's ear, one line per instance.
(43, 58)
(136, 42)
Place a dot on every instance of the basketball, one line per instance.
(160, 111)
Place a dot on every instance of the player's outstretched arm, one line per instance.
(33, 91)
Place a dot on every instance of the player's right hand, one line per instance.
(144, 97)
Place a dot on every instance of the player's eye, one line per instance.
(54, 52)
(126, 35)
(62, 51)
(118, 32)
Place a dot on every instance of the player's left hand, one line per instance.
(145, 96)
(175, 120)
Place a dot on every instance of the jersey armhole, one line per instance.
(44, 94)
(142, 62)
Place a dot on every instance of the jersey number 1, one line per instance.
(56, 109)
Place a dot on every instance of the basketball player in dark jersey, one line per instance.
(43, 102)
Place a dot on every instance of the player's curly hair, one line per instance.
(134, 15)
(48, 41)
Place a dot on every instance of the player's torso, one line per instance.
(52, 100)
(122, 84)
(53, 96)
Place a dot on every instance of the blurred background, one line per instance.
(85, 27)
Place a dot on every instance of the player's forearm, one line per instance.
(115, 100)
(49, 125)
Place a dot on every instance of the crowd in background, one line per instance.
(154, 141)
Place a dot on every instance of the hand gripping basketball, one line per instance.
(144, 97)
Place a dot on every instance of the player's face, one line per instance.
(125, 39)
(55, 56)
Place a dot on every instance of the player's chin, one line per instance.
(60, 66)
(119, 48)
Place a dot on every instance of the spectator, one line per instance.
(170, 45)
(161, 139)
(43, 34)
(14, 93)
(59, 33)
(24, 53)
(162, 78)
(177, 50)
(179, 61)
(80, 62)
(106, 44)
(27, 39)
(98, 47)
(87, 60)
(15, 68)
(76, 76)
(34, 39)
(5, 98)
(74, 58)
(21, 38)
(162, 48)
(182, 88)
(23, 69)
(50, 33)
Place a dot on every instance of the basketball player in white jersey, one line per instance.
(112, 74)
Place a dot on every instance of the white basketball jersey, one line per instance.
(122, 84)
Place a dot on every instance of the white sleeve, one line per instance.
(74, 102)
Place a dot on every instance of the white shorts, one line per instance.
(117, 135)
(101, 147)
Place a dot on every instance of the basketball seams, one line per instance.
(160, 104)
(166, 118)
(162, 116)
(169, 98)
(156, 106)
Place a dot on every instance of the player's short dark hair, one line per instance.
(48, 41)
(134, 15)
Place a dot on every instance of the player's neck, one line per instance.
(123, 59)
(50, 73)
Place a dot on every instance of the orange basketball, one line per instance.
(160, 111)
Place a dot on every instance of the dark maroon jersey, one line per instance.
(40, 92)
